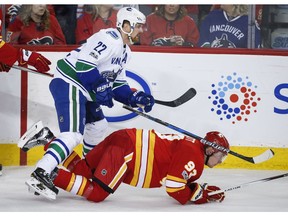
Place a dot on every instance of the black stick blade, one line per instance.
(189, 94)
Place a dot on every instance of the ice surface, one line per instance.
(269, 196)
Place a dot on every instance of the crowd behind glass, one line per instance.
(212, 26)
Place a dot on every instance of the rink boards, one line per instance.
(245, 96)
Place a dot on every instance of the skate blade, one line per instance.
(37, 187)
(30, 190)
(31, 132)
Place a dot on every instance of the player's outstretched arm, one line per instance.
(200, 193)
(34, 59)
(9, 55)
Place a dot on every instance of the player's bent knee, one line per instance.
(97, 194)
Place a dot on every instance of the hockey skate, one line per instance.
(35, 136)
(53, 175)
(41, 184)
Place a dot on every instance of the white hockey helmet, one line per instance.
(132, 15)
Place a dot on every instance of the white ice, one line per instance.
(271, 196)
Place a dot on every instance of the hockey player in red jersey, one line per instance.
(9, 55)
(143, 158)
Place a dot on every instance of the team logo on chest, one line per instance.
(46, 40)
(223, 42)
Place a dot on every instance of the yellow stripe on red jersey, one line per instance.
(144, 158)
(1, 42)
(174, 184)
(121, 171)
(77, 184)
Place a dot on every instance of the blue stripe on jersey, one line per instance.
(64, 145)
(88, 145)
(87, 62)
(69, 63)
(54, 156)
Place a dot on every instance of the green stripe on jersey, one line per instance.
(58, 149)
(68, 70)
(118, 84)
(82, 67)
(74, 108)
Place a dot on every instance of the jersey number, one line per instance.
(190, 167)
(100, 47)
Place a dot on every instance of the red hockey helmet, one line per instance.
(218, 138)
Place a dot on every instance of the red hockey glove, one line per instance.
(34, 59)
(200, 193)
(4, 67)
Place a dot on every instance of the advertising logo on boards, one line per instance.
(234, 98)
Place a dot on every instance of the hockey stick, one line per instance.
(258, 159)
(189, 94)
(31, 70)
(248, 184)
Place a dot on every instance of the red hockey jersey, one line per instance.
(87, 27)
(158, 28)
(147, 159)
(33, 34)
(8, 54)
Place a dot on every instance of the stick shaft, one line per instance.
(202, 140)
(31, 70)
(214, 145)
(248, 184)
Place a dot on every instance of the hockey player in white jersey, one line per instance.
(88, 77)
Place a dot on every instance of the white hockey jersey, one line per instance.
(103, 54)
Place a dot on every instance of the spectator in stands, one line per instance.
(193, 12)
(66, 16)
(227, 27)
(146, 9)
(35, 26)
(258, 11)
(170, 25)
(204, 10)
(12, 11)
(94, 18)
